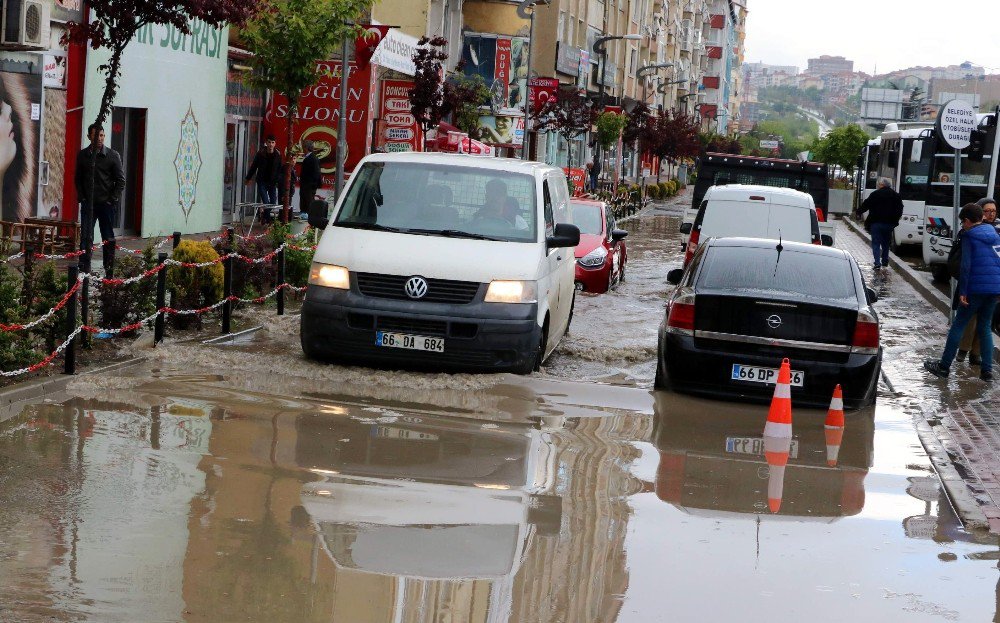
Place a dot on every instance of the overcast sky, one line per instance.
(889, 34)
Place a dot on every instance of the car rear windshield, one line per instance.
(587, 217)
(756, 270)
(441, 199)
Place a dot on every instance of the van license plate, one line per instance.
(755, 446)
(412, 342)
(768, 376)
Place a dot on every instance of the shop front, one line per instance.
(168, 127)
(244, 117)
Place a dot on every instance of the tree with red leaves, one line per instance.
(671, 137)
(570, 115)
(427, 97)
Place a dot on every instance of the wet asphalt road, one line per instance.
(246, 484)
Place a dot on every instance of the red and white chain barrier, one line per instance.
(9, 328)
(48, 359)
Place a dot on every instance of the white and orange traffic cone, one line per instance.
(834, 427)
(775, 486)
(778, 436)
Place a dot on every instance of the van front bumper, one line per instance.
(341, 325)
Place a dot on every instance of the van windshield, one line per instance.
(443, 200)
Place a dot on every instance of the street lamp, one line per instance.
(600, 48)
(648, 68)
(526, 10)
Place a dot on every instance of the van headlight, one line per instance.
(594, 258)
(512, 292)
(329, 276)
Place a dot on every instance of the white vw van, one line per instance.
(448, 261)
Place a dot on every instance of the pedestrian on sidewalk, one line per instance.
(978, 290)
(884, 208)
(266, 166)
(969, 346)
(101, 165)
(312, 177)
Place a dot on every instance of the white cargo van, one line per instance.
(449, 261)
(748, 211)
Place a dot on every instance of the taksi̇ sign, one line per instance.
(955, 123)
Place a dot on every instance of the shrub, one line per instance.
(126, 304)
(653, 192)
(195, 287)
(664, 190)
(15, 347)
(48, 288)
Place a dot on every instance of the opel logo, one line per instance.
(416, 287)
(774, 321)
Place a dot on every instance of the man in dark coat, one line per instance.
(885, 208)
(267, 167)
(311, 179)
(103, 165)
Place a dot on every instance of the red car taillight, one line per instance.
(692, 246)
(866, 335)
(820, 214)
(681, 317)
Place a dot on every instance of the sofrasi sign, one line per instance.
(204, 40)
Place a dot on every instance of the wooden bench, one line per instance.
(66, 235)
(42, 236)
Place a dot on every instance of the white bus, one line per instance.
(979, 179)
(904, 156)
(866, 176)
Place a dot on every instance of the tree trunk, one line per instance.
(293, 112)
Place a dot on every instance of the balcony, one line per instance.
(711, 82)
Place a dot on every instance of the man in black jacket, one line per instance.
(885, 208)
(103, 165)
(312, 177)
(267, 167)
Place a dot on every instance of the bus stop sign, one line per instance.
(955, 123)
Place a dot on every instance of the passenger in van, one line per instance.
(884, 208)
(437, 205)
(497, 207)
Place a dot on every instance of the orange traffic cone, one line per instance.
(834, 427)
(778, 429)
(775, 486)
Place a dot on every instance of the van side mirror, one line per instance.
(871, 295)
(318, 214)
(674, 277)
(686, 228)
(563, 235)
(827, 240)
(618, 234)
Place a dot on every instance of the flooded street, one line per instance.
(244, 483)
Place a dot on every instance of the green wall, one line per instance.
(169, 74)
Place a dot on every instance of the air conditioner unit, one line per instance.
(26, 24)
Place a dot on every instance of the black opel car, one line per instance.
(744, 304)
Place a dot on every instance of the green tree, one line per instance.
(841, 146)
(287, 41)
(609, 128)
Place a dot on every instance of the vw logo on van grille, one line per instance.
(416, 287)
(774, 321)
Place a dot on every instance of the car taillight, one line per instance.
(680, 318)
(866, 335)
(692, 246)
(820, 214)
(815, 241)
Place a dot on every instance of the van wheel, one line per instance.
(533, 364)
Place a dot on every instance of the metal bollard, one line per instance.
(173, 291)
(69, 359)
(177, 238)
(281, 282)
(227, 283)
(161, 300)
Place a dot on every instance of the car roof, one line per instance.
(766, 243)
(511, 165)
(738, 192)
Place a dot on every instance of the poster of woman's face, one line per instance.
(20, 94)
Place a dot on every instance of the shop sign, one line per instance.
(568, 59)
(401, 131)
(319, 112)
(541, 91)
(396, 52)
(502, 129)
(501, 70)
(578, 177)
(54, 71)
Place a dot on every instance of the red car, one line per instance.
(601, 255)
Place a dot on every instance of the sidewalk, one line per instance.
(958, 420)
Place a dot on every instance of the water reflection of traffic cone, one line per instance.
(834, 427)
(775, 486)
(778, 430)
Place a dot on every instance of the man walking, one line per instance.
(267, 167)
(885, 208)
(99, 168)
(978, 289)
(312, 177)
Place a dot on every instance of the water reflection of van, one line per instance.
(428, 498)
(710, 463)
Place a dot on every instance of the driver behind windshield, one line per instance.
(497, 207)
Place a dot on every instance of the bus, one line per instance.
(979, 179)
(717, 169)
(866, 175)
(904, 157)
